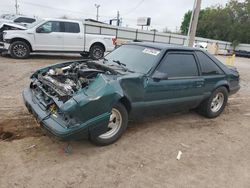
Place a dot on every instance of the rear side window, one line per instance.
(179, 65)
(24, 20)
(208, 67)
(71, 27)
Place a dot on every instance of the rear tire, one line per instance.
(96, 51)
(117, 125)
(19, 50)
(215, 104)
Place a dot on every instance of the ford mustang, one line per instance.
(94, 99)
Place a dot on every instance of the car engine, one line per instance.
(64, 81)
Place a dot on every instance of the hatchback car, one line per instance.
(95, 99)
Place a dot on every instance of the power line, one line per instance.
(49, 7)
(133, 9)
(60, 9)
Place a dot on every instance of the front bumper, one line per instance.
(2, 49)
(234, 89)
(59, 128)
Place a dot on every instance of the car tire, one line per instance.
(215, 104)
(96, 52)
(117, 125)
(19, 50)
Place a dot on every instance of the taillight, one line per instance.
(114, 41)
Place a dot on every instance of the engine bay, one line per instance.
(62, 82)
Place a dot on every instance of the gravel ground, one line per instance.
(215, 152)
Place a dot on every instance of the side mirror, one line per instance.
(41, 30)
(157, 76)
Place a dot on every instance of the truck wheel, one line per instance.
(19, 50)
(117, 125)
(215, 104)
(96, 52)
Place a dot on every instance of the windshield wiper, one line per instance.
(119, 63)
(122, 65)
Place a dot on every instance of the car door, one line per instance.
(73, 37)
(49, 37)
(183, 87)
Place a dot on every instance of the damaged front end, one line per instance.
(7, 26)
(58, 98)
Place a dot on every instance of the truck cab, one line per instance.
(56, 35)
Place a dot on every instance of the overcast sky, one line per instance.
(163, 13)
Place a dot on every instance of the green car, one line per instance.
(94, 99)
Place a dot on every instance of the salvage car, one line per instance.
(95, 99)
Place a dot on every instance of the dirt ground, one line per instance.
(215, 152)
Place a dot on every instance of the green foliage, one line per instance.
(185, 22)
(229, 23)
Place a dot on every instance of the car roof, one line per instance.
(162, 46)
(61, 20)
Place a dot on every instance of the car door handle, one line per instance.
(199, 83)
(59, 37)
(80, 37)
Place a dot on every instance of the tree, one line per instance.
(185, 22)
(229, 23)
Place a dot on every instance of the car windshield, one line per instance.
(134, 57)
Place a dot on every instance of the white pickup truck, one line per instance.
(56, 35)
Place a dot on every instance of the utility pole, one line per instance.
(118, 18)
(97, 11)
(16, 6)
(193, 22)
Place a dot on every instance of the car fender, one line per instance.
(221, 83)
(106, 41)
(99, 98)
(10, 36)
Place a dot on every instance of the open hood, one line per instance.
(11, 26)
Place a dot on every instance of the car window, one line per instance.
(208, 66)
(71, 27)
(51, 26)
(179, 65)
(24, 20)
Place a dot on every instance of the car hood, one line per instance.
(12, 26)
(65, 80)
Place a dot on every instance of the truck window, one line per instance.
(71, 27)
(51, 26)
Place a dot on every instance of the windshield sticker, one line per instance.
(151, 51)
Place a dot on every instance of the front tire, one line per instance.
(117, 125)
(215, 104)
(19, 50)
(96, 52)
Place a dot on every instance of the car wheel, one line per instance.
(96, 52)
(117, 125)
(19, 50)
(215, 104)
